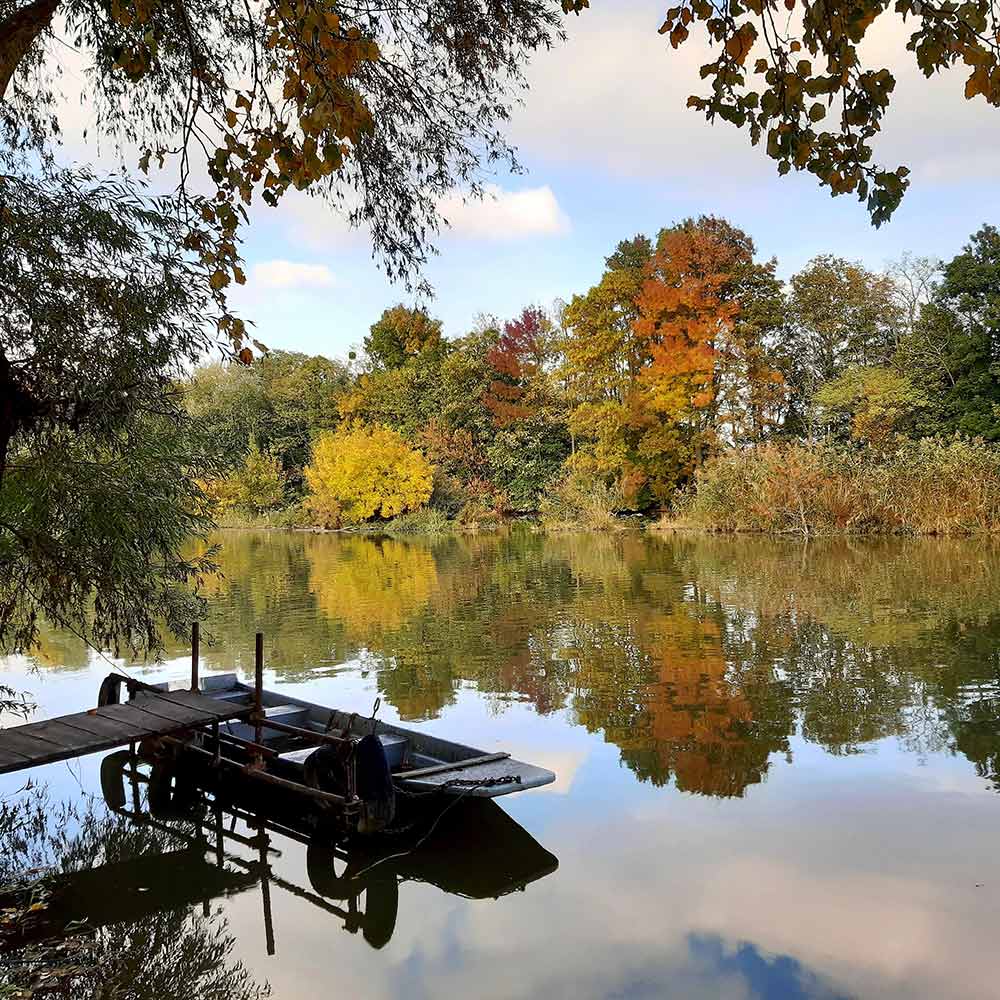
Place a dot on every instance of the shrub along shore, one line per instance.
(689, 382)
(927, 487)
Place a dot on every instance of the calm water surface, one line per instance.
(778, 771)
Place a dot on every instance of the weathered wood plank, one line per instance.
(150, 714)
(210, 706)
(65, 736)
(87, 722)
(143, 722)
(32, 747)
(163, 708)
(8, 758)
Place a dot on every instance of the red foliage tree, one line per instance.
(517, 361)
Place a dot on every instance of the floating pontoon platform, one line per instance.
(149, 714)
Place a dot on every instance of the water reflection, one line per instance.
(111, 909)
(133, 884)
(699, 658)
(778, 765)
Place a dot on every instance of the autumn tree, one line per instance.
(795, 74)
(685, 307)
(516, 361)
(380, 109)
(401, 333)
(360, 473)
(603, 358)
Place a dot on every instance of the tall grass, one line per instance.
(576, 500)
(928, 487)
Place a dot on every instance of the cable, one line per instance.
(420, 843)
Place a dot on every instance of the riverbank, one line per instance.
(929, 487)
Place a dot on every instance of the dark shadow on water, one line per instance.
(214, 843)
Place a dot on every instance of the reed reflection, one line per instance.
(699, 657)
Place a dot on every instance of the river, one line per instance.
(778, 766)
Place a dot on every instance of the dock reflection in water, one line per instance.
(778, 771)
(214, 846)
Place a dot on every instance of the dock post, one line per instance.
(264, 869)
(258, 694)
(195, 642)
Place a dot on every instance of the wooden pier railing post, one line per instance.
(195, 642)
(258, 696)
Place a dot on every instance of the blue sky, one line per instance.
(610, 150)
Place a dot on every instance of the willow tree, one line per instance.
(101, 314)
(381, 108)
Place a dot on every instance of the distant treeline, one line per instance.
(689, 380)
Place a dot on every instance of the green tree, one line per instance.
(100, 314)
(874, 403)
(400, 334)
(842, 314)
(227, 405)
(255, 487)
(750, 388)
(280, 401)
(954, 348)
(304, 395)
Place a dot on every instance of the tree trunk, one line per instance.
(18, 32)
(18, 410)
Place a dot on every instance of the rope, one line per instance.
(423, 840)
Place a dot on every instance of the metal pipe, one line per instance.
(294, 786)
(248, 744)
(258, 695)
(284, 727)
(195, 643)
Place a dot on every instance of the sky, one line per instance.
(610, 150)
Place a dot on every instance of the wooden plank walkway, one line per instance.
(150, 713)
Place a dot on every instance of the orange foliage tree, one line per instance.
(685, 307)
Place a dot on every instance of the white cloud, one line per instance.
(291, 274)
(505, 215)
(612, 98)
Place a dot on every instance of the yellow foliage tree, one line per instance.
(363, 472)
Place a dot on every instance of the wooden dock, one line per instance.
(150, 713)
